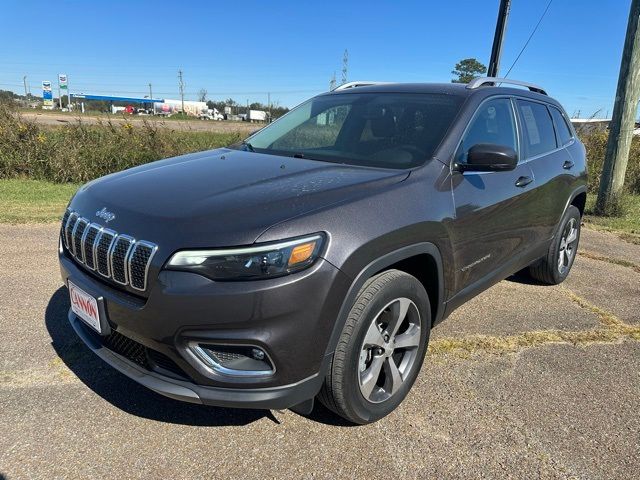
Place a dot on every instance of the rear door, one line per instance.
(544, 152)
(492, 209)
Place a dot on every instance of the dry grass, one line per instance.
(614, 261)
(613, 330)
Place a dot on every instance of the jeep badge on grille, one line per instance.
(105, 215)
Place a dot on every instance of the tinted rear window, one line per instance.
(562, 129)
(537, 128)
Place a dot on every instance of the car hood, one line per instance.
(221, 197)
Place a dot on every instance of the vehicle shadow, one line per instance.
(123, 392)
(525, 279)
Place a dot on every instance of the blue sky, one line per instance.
(244, 49)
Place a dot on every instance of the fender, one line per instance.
(380, 264)
(572, 197)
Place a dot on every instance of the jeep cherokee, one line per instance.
(313, 259)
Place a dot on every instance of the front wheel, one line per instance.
(555, 266)
(381, 348)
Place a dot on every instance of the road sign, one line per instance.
(47, 94)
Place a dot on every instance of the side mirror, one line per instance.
(488, 157)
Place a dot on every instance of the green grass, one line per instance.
(627, 225)
(33, 201)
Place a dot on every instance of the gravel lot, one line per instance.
(525, 381)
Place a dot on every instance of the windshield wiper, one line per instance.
(248, 146)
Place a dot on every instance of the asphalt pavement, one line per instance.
(525, 381)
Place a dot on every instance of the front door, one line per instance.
(492, 209)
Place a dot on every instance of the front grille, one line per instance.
(137, 353)
(104, 241)
(78, 232)
(121, 248)
(90, 235)
(129, 349)
(139, 264)
(118, 257)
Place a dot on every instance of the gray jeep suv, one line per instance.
(313, 259)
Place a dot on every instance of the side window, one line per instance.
(537, 128)
(492, 123)
(562, 129)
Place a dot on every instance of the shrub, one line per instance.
(79, 152)
(596, 145)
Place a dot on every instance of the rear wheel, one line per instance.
(381, 348)
(555, 267)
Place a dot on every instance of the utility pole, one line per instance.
(622, 119)
(180, 79)
(24, 80)
(269, 104)
(345, 65)
(498, 37)
(153, 110)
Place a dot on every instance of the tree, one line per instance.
(467, 70)
(202, 95)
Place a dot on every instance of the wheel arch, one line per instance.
(578, 199)
(422, 260)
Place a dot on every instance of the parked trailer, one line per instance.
(257, 116)
(169, 107)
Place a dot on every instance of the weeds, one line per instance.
(79, 152)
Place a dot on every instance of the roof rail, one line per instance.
(482, 81)
(348, 85)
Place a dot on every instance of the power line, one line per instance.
(529, 39)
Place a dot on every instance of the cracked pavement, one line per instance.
(523, 381)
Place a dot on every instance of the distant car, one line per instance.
(313, 259)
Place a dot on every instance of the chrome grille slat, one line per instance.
(88, 242)
(138, 264)
(76, 238)
(118, 258)
(115, 256)
(102, 250)
(68, 228)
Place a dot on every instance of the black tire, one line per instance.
(547, 270)
(342, 392)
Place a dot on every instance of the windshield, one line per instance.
(390, 130)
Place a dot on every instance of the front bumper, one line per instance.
(276, 398)
(291, 318)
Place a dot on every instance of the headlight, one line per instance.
(250, 263)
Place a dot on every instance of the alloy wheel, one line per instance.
(389, 350)
(568, 244)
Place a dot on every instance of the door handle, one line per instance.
(567, 164)
(523, 181)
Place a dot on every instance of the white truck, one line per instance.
(210, 114)
(257, 116)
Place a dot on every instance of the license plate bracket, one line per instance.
(87, 307)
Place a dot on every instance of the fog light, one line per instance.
(257, 354)
(234, 360)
